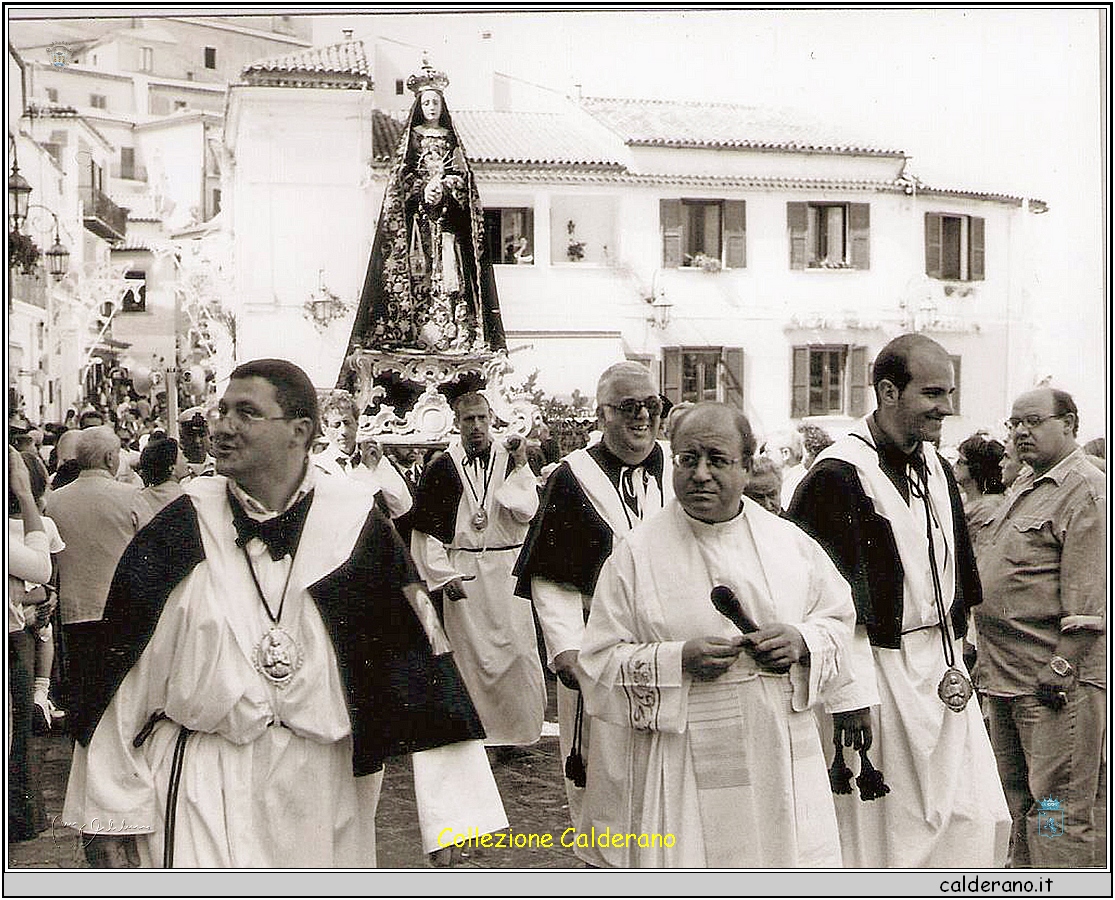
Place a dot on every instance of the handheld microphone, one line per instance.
(728, 605)
(512, 443)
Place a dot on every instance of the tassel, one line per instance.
(870, 780)
(574, 763)
(840, 776)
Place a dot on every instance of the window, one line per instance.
(399, 87)
(146, 59)
(52, 95)
(98, 101)
(703, 232)
(828, 380)
(127, 162)
(703, 373)
(179, 104)
(210, 57)
(215, 204)
(954, 247)
(829, 235)
(509, 235)
(134, 298)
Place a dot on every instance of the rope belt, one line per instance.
(486, 549)
(172, 783)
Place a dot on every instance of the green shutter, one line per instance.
(796, 220)
(859, 231)
(735, 234)
(975, 248)
(731, 376)
(671, 373)
(933, 245)
(857, 382)
(669, 214)
(799, 382)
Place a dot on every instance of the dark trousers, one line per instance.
(26, 814)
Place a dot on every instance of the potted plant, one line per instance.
(22, 252)
(576, 249)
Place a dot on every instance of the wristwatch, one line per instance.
(1061, 666)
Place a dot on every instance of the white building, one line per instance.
(741, 256)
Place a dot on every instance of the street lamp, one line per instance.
(57, 257)
(18, 193)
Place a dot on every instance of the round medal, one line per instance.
(955, 689)
(480, 520)
(277, 656)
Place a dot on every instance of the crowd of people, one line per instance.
(268, 608)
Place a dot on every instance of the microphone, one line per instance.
(727, 604)
(512, 443)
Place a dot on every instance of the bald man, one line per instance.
(94, 518)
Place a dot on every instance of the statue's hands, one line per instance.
(434, 192)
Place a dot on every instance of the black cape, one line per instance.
(438, 499)
(401, 698)
(832, 507)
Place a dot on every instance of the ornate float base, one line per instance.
(405, 395)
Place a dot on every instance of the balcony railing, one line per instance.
(103, 217)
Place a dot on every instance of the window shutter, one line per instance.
(859, 230)
(933, 245)
(857, 383)
(735, 234)
(671, 373)
(799, 399)
(731, 376)
(975, 248)
(669, 214)
(956, 394)
(796, 221)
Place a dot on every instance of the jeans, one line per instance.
(1042, 753)
(26, 816)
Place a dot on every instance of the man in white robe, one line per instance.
(266, 645)
(886, 507)
(594, 496)
(723, 760)
(470, 516)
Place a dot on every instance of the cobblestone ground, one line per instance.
(529, 780)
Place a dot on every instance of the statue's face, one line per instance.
(431, 106)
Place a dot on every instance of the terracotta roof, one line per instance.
(514, 138)
(671, 123)
(343, 65)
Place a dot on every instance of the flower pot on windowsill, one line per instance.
(575, 252)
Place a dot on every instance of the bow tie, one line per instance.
(484, 456)
(280, 533)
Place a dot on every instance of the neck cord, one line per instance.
(489, 470)
(282, 600)
(921, 491)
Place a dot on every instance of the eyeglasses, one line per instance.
(238, 418)
(631, 408)
(688, 459)
(1031, 422)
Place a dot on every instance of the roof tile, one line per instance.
(671, 123)
(337, 65)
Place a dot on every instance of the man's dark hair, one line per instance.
(893, 362)
(36, 475)
(814, 438)
(1063, 404)
(469, 399)
(294, 392)
(156, 462)
(90, 414)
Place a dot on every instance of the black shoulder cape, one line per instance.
(831, 506)
(401, 698)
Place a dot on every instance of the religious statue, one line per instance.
(429, 286)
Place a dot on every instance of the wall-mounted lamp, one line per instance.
(659, 304)
(324, 306)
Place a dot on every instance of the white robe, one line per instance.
(491, 630)
(267, 779)
(946, 807)
(733, 768)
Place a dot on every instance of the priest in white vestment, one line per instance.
(723, 761)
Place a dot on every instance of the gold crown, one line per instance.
(428, 79)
